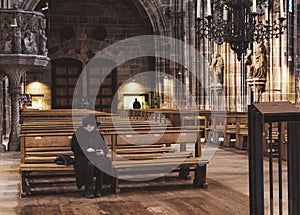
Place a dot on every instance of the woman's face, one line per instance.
(89, 128)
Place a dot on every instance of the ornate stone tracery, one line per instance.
(22, 32)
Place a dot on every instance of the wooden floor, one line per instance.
(227, 193)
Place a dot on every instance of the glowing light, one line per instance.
(35, 87)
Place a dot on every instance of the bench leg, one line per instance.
(114, 186)
(200, 176)
(25, 185)
(184, 173)
(226, 142)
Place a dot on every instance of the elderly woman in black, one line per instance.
(90, 151)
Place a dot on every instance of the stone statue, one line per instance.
(30, 46)
(18, 40)
(8, 44)
(43, 42)
(257, 63)
(249, 63)
(217, 68)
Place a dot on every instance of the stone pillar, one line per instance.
(14, 89)
(2, 146)
(6, 107)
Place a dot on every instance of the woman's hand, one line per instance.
(90, 150)
(99, 152)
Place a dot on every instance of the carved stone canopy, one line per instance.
(22, 32)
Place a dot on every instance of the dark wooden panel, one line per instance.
(102, 80)
(65, 76)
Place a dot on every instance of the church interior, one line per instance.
(197, 101)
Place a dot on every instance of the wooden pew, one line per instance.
(38, 152)
(169, 138)
(28, 115)
(216, 126)
(175, 117)
(236, 129)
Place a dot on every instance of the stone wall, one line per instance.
(124, 19)
(79, 30)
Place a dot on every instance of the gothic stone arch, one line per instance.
(153, 9)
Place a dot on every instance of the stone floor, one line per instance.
(228, 192)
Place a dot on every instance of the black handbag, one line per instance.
(64, 160)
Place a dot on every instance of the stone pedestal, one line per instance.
(217, 101)
(14, 67)
(255, 89)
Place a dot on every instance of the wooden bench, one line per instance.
(236, 130)
(38, 152)
(215, 128)
(28, 115)
(169, 138)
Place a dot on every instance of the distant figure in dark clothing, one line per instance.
(136, 104)
(89, 149)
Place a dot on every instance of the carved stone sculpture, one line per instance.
(8, 44)
(43, 41)
(257, 63)
(18, 40)
(217, 69)
(29, 41)
(22, 32)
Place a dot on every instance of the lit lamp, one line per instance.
(237, 22)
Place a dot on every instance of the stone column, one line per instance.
(13, 144)
(2, 146)
(14, 89)
(6, 107)
(14, 71)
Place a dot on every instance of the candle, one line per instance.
(225, 13)
(281, 9)
(267, 13)
(198, 9)
(208, 8)
(254, 6)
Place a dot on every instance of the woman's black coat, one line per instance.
(81, 141)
